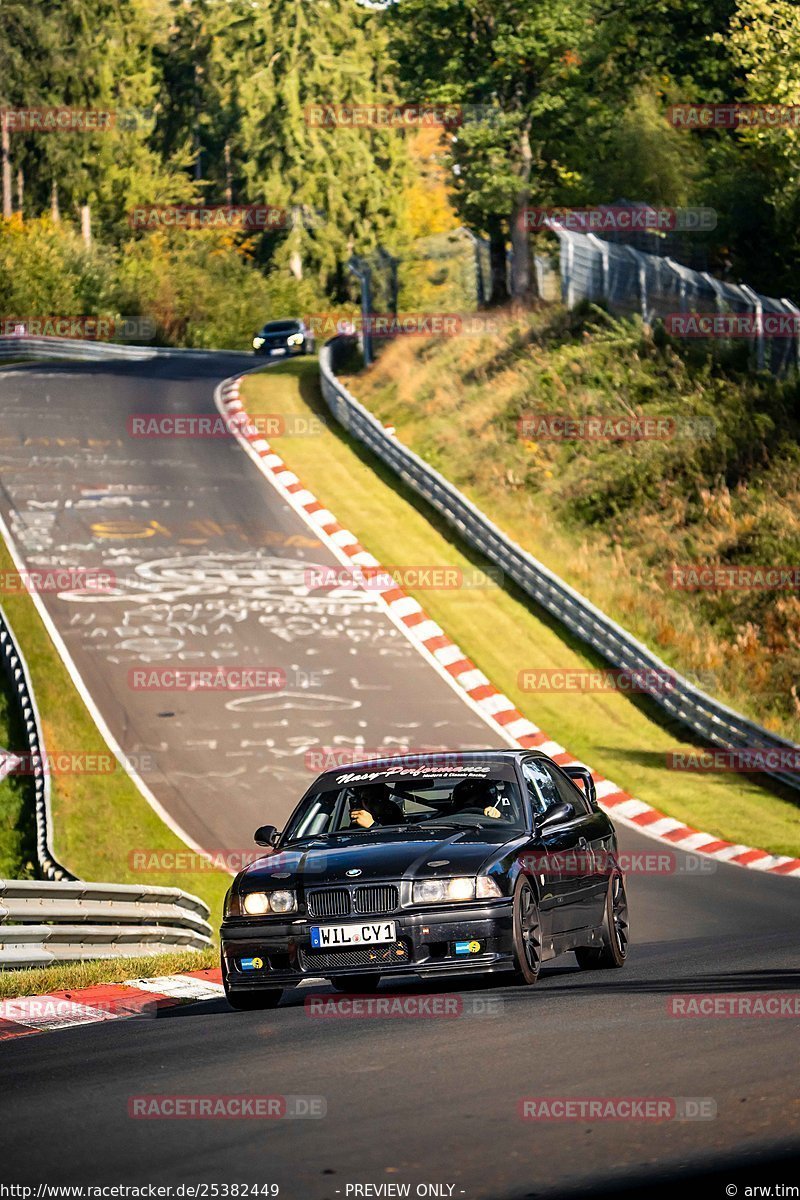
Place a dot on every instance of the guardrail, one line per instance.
(15, 667)
(682, 700)
(78, 350)
(72, 348)
(70, 921)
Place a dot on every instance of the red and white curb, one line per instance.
(106, 1002)
(450, 661)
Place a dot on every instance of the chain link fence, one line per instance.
(629, 281)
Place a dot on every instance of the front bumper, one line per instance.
(428, 940)
(281, 351)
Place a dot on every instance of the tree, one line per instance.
(764, 44)
(108, 66)
(282, 71)
(507, 65)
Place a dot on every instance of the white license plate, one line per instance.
(280, 350)
(373, 933)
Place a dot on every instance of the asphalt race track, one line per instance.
(211, 571)
(427, 1100)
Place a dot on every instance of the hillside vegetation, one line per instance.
(617, 519)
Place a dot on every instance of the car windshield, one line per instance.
(281, 327)
(455, 801)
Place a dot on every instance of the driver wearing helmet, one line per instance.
(474, 796)
(371, 805)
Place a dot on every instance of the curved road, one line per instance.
(211, 571)
(210, 561)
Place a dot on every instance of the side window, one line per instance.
(541, 786)
(568, 792)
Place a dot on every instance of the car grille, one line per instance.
(363, 956)
(333, 902)
(375, 898)
(367, 900)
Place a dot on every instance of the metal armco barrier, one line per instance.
(87, 351)
(15, 667)
(42, 923)
(55, 347)
(705, 716)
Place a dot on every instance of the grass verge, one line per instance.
(99, 820)
(63, 977)
(626, 521)
(17, 800)
(624, 738)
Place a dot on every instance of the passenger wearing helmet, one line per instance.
(474, 796)
(371, 805)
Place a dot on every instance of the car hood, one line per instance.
(428, 853)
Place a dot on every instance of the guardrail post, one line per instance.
(758, 313)
(792, 308)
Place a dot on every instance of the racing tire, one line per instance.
(527, 934)
(614, 950)
(363, 984)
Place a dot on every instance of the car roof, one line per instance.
(433, 757)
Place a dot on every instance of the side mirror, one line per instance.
(583, 777)
(267, 835)
(556, 816)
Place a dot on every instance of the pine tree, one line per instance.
(343, 185)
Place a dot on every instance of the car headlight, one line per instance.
(257, 904)
(443, 891)
(282, 902)
(258, 342)
(295, 339)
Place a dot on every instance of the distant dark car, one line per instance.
(284, 338)
(489, 861)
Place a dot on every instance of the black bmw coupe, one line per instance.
(284, 338)
(488, 861)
